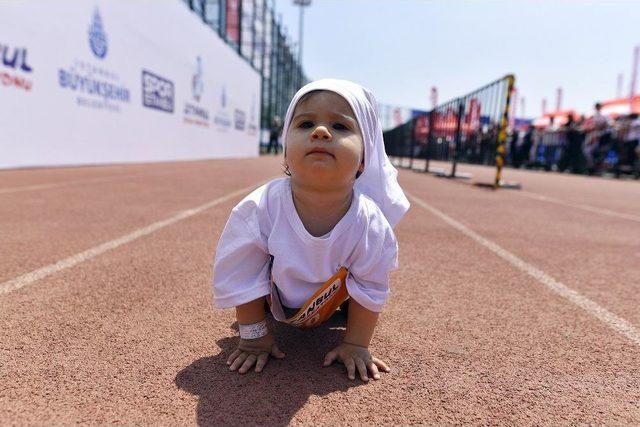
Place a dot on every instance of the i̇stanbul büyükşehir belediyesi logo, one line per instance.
(97, 36)
(97, 87)
(15, 67)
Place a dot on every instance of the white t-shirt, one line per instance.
(267, 224)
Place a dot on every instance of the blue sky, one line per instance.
(400, 48)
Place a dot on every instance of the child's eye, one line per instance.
(306, 124)
(340, 126)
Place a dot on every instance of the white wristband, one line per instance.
(253, 331)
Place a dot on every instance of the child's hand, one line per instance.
(354, 356)
(250, 352)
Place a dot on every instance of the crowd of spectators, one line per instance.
(595, 146)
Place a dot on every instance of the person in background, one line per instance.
(274, 135)
(630, 152)
(580, 141)
(513, 148)
(636, 166)
(546, 150)
(616, 156)
(488, 145)
(572, 155)
(598, 141)
(525, 148)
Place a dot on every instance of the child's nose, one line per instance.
(321, 133)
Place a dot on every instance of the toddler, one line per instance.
(319, 238)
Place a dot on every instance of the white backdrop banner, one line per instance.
(109, 81)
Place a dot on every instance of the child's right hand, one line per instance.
(257, 351)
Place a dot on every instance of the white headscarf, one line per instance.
(379, 180)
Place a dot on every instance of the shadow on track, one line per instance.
(280, 391)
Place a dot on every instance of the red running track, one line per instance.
(508, 307)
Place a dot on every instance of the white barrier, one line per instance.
(109, 81)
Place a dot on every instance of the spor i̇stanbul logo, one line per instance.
(97, 36)
(157, 92)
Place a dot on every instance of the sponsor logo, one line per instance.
(15, 68)
(315, 306)
(240, 119)
(157, 92)
(194, 114)
(252, 128)
(97, 36)
(197, 83)
(82, 78)
(95, 87)
(222, 119)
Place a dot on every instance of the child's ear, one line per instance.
(360, 169)
(286, 170)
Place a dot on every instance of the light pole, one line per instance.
(302, 4)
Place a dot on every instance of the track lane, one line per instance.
(130, 337)
(618, 196)
(65, 175)
(42, 227)
(593, 254)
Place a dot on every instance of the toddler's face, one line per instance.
(324, 143)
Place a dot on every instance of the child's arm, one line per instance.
(253, 351)
(360, 324)
(251, 312)
(375, 255)
(354, 351)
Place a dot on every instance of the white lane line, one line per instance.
(617, 323)
(34, 187)
(75, 182)
(29, 278)
(588, 208)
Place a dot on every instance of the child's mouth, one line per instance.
(320, 152)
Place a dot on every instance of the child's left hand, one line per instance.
(356, 357)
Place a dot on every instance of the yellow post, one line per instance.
(502, 134)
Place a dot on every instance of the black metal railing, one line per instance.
(471, 128)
